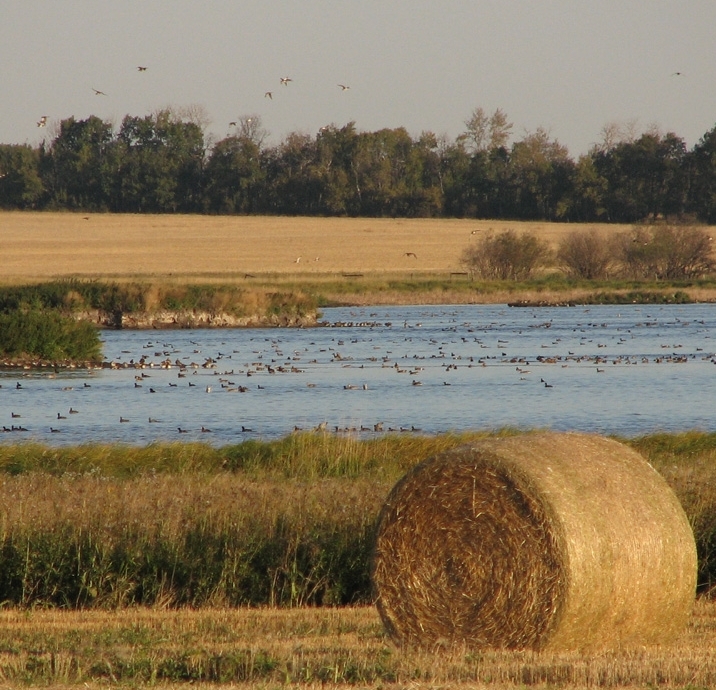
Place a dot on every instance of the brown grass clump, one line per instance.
(542, 541)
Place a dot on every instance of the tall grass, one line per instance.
(285, 523)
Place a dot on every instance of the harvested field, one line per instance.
(42, 246)
(310, 648)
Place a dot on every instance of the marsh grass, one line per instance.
(74, 297)
(285, 523)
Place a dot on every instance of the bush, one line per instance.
(48, 335)
(507, 256)
(666, 252)
(585, 254)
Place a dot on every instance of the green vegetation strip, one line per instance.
(286, 523)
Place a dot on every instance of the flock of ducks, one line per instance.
(283, 81)
(441, 360)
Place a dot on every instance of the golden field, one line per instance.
(38, 246)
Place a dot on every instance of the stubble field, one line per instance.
(41, 246)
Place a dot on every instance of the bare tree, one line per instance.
(251, 127)
(615, 133)
(487, 133)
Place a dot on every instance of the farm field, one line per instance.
(308, 648)
(42, 246)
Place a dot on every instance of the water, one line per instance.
(627, 370)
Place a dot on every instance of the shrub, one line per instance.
(585, 254)
(665, 252)
(48, 335)
(507, 256)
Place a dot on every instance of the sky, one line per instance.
(568, 66)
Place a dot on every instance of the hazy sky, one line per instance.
(570, 66)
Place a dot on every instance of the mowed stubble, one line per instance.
(40, 246)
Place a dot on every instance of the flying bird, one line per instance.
(677, 74)
(232, 124)
(344, 87)
(413, 254)
(285, 80)
(42, 121)
(98, 93)
(269, 94)
(141, 69)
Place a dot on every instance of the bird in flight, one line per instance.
(415, 256)
(677, 74)
(269, 94)
(98, 93)
(141, 69)
(285, 80)
(232, 124)
(344, 87)
(42, 121)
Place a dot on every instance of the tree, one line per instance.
(79, 166)
(161, 164)
(20, 184)
(541, 177)
(487, 133)
(235, 171)
(507, 256)
(702, 163)
(645, 178)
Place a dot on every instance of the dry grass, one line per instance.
(41, 246)
(310, 648)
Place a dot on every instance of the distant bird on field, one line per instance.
(413, 254)
(344, 87)
(42, 121)
(285, 80)
(298, 260)
(141, 69)
(269, 94)
(98, 92)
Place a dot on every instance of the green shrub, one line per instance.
(48, 335)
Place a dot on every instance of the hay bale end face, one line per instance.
(541, 541)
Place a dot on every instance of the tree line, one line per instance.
(166, 163)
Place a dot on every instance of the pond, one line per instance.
(627, 370)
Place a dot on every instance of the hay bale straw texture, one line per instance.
(543, 541)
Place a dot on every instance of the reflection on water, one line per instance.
(611, 369)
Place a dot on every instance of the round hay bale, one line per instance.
(539, 541)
